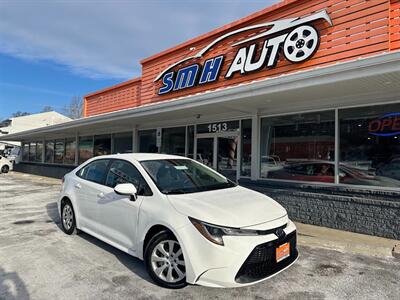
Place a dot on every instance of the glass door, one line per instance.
(205, 151)
(220, 153)
(227, 156)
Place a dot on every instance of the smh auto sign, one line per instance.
(295, 37)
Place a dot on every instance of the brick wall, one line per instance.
(368, 212)
(121, 96)
(394, 24)
(360, 28)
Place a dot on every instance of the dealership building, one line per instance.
(300, 101)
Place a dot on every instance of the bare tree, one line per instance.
(74, 109)
(20, 114)
(47, 108)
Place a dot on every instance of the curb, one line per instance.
(345, 241)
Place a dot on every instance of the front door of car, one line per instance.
(118, 214)
(88, 186)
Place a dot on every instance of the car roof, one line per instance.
(141, 156)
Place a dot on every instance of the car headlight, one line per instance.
(214, 233)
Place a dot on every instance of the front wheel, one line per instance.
(164, 261)
(68, 222)
(5, 169)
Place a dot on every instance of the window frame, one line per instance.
(32, 157)
(88, 164)
(78, 146)
(103, 181)
(72, 141)
(139, 144)
(99, 137)
(163, 131)
(25, 154)
(119, 135)
(46, 142)
(61, 162)
(336, 183)
(128, 162)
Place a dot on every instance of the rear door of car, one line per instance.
(119, 213)
(89, 187)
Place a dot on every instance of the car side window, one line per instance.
(95, 171)
(124, 172)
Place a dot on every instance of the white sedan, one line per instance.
(187, 222)
(5, 165)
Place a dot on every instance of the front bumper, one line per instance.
(261, 262)
(243, 260)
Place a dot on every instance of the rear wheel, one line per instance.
(68, 222)
(164, 261)
(5, 169)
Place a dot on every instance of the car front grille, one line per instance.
(261, 262)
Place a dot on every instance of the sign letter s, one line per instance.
(168, 83)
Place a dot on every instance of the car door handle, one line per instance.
(78, 186)
(100, 195)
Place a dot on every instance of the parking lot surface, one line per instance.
(39, 261)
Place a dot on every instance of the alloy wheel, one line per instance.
(67, 217)
(167, 261)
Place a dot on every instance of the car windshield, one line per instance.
(181, 176)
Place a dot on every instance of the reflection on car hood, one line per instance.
(231, 207)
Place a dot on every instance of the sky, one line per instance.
(51, 51)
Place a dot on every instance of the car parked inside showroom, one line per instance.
(390, 169)
(324, 171)
(187, 222)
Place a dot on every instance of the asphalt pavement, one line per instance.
(39, 261)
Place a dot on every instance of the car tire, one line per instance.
(68, 221)
(5, 169)
(165, 266)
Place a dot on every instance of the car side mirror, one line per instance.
(127, 189)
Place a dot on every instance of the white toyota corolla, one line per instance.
(187, 222)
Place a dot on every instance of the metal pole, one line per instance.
(337, 146)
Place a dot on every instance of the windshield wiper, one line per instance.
(171, 192)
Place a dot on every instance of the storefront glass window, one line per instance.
(122, 142)
(173, 141)
(245, 164)
(25, 152)
(49, 152)
(190, 142)
(59, 151)
(32, 151)
(147, 141)
(39, 151)
(85, 148)
(370, 146)
(70, 146)
(102, 144)
(299, 147)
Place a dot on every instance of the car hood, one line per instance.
(232, 207)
